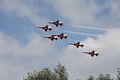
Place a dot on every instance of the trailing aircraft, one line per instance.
(56, 23)
(92, 53)
(78, 44)
(46, 28)
(61, 36)
(51, 37)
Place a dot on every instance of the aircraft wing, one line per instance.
(45, 30)
(56, 25)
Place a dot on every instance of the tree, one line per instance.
(59, 73)
(101, 77)
(104, 77)
(118, 74)
(91, 78)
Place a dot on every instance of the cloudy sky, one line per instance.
(96, 23)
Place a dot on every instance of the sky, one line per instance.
(95, 23)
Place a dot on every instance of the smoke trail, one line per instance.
(88, 27)
(79, 33)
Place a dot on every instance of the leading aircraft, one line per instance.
(61, 36)
(51, 37)
(78, 44)
(92, 53)
(56, 23)
(46, 28)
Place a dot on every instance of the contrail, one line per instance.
(79, 33)
(88, 27)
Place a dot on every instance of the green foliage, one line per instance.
(61, 72)
(100, 77)
(118, 74)
(46, 74)
(104, 77)
(91, 78)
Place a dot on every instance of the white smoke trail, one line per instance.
(79, 33)
(88, 27)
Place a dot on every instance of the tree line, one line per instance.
(60, 73)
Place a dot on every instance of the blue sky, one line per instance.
(22, 48)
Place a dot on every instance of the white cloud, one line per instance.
(24, 9)
(35, 46)
(85, 12)
(10, 71)
(17, 59)
(81, 65)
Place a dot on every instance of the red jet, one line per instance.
(92, 53)
(77, 44)
(56, 23)
(51, 37)
(46, 28)
(61, 36)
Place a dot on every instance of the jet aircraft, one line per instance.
(61, 36)
(56, 23)
(46, 28)
(92, 53)
(78, 44)
(51, 37)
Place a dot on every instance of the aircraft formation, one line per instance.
(62, 35)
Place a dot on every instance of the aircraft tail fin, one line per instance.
(96, 54)
(61, 24)
(66, 37)
(82, 45)
(50, 29)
